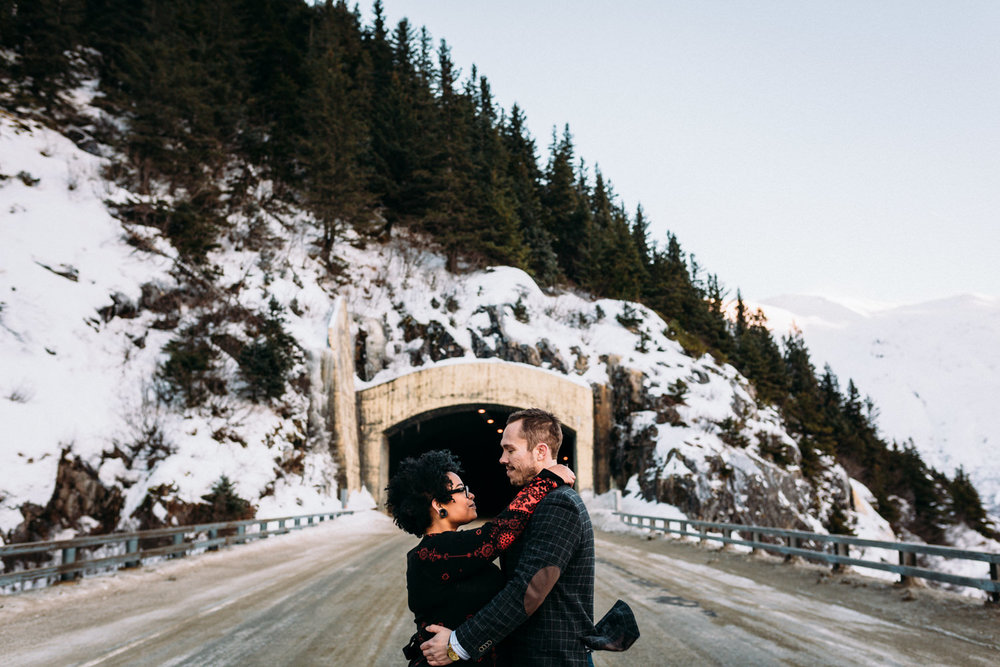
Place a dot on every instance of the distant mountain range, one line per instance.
(933, 370)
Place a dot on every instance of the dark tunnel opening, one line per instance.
(473, 433)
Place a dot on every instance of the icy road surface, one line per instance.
(334, 595)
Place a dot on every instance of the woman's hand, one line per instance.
(567, 475)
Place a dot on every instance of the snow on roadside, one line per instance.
(869, 525)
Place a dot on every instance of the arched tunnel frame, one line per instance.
(384, 407)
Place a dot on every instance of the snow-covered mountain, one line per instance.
(85, 314)
(933, 370)
(81, 338)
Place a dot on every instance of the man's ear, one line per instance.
(541, 451)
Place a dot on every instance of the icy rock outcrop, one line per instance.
(707, 479)
(369, 348)
(78, 494)
(435, 341)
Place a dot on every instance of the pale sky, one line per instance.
(849, 149)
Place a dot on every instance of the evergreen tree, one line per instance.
(190, 370)
(334, 105)
(42, 34)
(756, 355)
(669, 286)
(566, 217)
(965, 505)
(640, 239)
(802, 407)
(275, 36)
(404, 116)
(449, 216)
(525, 181)
(222, 503)
(266, 361)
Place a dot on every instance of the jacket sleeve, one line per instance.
(464, 553)
(554, 536)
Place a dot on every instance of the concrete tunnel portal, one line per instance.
(472, 432)
(374, 427)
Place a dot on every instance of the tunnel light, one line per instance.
(481, 411)
(489, 421)
(499, 430)
(565, 458)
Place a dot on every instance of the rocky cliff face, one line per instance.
(685, 431)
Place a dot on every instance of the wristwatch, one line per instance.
(454, 657)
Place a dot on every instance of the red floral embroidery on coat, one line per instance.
(498, 535)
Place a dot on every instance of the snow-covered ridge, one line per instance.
(933, 370)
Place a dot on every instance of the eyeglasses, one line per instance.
(461, 489)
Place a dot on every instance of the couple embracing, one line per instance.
(542, 601)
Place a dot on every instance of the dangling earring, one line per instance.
(442, 512)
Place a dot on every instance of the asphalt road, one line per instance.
(334, 595)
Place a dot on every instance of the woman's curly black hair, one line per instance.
(415, 484)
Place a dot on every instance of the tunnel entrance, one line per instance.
(473, 433)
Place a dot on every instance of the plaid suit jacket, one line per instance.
(547, 604)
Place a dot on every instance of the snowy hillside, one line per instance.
(89, 302)
(80, 340)
(78, 353)
(933, 370)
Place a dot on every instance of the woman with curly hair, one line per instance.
(450, 574)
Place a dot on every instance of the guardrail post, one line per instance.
(281, 525)
(907, 559)
(68, 556)
(791, 543)
(755, 538)
(262, 529)
(131, 547)
(241, 531)
(841, 549)
(212, 534)
(296, 522)
(178, 540)
(995, 576)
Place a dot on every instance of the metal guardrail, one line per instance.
(203, 536)
(795, 543)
